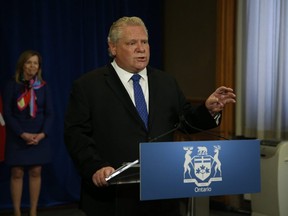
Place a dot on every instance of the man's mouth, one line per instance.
(141, 58)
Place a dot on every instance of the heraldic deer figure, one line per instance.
(188, 161)
(216, 160)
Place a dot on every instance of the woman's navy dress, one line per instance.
(17, 151)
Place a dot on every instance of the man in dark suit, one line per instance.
(103, 128)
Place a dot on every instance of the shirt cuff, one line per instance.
(217, 118)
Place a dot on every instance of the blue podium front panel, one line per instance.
(199, 168)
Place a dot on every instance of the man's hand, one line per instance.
(99, 176)
(218, 99)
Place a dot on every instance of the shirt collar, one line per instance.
(125, 76)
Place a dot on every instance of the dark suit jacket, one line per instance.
(102, 126)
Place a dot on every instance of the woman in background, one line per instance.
(28, 117)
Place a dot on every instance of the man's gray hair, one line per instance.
(116, 28)
(115, 32)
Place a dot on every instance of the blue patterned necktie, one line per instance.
(139, 99)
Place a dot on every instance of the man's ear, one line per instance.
(112, 49)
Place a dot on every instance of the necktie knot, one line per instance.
(136, 77)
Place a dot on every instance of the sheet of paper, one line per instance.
(121, 169)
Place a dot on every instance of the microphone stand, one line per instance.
(191, 207)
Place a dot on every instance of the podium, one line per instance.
(192, 169)
(199, 168)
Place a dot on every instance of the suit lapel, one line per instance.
(153, 85)
(114, 82)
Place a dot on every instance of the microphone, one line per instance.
(176, 127)
(182, 119)
(181, 126)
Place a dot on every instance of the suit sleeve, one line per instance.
(77, 134)
(198, 117)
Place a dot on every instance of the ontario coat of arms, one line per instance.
(207, 168)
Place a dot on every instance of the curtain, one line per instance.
(2, 132)
(263, 76)
(71, 35)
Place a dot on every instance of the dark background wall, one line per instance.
(71, 36)
(190, 45)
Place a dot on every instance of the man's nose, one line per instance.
(140, 47)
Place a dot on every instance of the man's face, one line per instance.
(132, 51)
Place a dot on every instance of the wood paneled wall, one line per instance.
(199, 50)
(225, 58)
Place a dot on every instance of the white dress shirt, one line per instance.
(125, 78)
